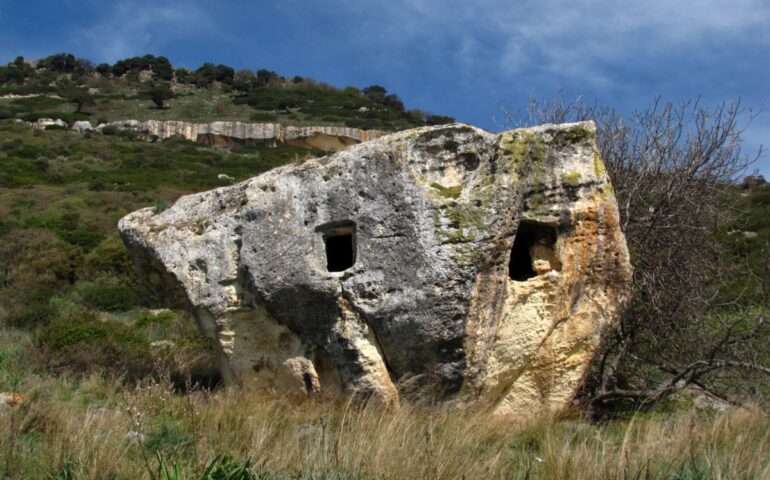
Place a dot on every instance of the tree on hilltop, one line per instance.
(159, 93)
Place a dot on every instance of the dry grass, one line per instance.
(84, 428)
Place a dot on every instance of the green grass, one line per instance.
(109, 383)
(64, 273)
(96, 428)
(123, 163)
(124, 100)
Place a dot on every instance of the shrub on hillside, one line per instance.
(82, 343)
(110, 130)
(438, 120)
(108, 294)
(160, 66)
(110, 257)
(696, 316)
(33, 309)
(36, 258)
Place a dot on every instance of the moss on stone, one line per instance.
(467, 216)
(574, 135)
(599, 169)
(571, 178)
(448, 192)
(524, 153)
(455, 236)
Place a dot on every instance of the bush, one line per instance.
(81, 342)
(35, 258)
(159, 93)
(110, 257)
(108, 295)
(36, 310)
(162, 319)
(697, 320)
(86, 239)
(438, 120)
(97, 185)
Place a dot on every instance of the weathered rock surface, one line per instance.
(227, 133)
(487, 265)
(82, 126)
(43, 123)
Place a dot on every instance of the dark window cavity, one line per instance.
(340, 245)
(533, 251)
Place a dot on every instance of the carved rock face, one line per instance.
(488, 265)
(328, 138)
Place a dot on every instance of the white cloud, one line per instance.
(137, 27)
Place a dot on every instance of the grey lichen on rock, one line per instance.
(487, 266)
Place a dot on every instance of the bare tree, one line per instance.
(698, 316)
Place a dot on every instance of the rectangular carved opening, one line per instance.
(533, 251)
(340, 245)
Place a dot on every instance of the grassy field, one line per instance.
(114, 389)
(113, 386)
(91, 427)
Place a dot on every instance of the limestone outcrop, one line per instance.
(485, 266)
(329, 138)
(43, 123)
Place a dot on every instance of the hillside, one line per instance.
(109, 378)
(63, 269)
(149, 87)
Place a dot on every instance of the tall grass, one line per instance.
(96, 429)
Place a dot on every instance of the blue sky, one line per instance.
(459, 58)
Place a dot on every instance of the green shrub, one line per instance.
(110, 257)
(86, 239)
(129, 134)
(147, 319)
(31, 315)
(97, 185)
(21, 149)
(5, 227)
(36, 258)
(83, 343)
(108, 295)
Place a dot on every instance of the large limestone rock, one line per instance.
(487, 266)
(328, 138)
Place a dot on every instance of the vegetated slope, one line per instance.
(63, 269)
(61, 193)
(150, 87)
(71, 303)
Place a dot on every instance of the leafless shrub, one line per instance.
(699, 310)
